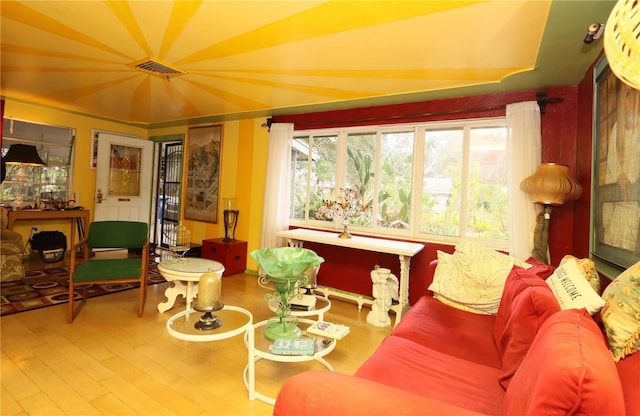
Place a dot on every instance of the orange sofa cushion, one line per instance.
(568, 370)
(526, 303)
(406, 365)
(461, 334)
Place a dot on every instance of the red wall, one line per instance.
(348, 269)
(584, 163)
(566, 127)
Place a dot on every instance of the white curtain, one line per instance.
(277, 192)
(525, 148)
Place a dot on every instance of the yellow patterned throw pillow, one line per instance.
(445, 281)
(472, 279)
(621, 313)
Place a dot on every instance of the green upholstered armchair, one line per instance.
(110, 235)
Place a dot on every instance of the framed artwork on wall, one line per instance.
(204, 149)
(616, 163)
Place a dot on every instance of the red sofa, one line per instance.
(529, 359)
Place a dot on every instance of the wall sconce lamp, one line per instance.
(551, 185)
(208, 300)
(622, 41)
(22, 155)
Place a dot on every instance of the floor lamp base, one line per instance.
(541, 236)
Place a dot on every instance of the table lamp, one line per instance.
(551, 185)
(22, 155)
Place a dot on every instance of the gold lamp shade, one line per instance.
(622, 41)
(551, 185)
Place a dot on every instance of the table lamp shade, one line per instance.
(551, 184)
(23, 154)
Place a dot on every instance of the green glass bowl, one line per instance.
(285, 262)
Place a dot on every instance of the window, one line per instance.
(55, 147)
(432, 181)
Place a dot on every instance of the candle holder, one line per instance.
(230, 222)
(230, 215)
(286, 268)
(208, 301)
(349, 207)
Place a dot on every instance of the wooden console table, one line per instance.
(80, 217)
(404, 250)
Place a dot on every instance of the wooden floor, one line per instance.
(110, 362)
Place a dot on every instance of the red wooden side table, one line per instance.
(232, 254)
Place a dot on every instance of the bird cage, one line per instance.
(179, 241)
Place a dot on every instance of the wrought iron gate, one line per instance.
(169, 175)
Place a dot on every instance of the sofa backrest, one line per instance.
(431, 272)
(567, 371)
(526, 303)
(629, 373)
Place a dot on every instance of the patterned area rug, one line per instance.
(41, 288)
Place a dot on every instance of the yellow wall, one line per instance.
(83, 178)
(253, 182)
(244, 159)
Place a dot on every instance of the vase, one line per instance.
(283, 325)
(230, 222)
(286, 268)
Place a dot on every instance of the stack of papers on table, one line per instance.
(329, 330)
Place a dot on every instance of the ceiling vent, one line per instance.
(158, 68)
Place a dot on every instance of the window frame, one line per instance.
(413, 232)
(22, 137)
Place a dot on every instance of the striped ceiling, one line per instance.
(253, 58)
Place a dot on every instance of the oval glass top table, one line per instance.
(260, 349)
(184, 274)
(322, 305)
(235, 321)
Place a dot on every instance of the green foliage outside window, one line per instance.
(462, 190)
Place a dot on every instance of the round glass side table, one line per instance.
(235, 321)
(184, 274)
(322, 306)
(260, 348)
